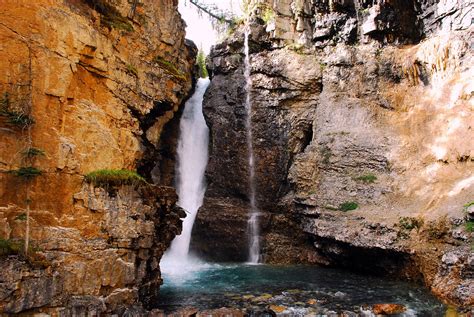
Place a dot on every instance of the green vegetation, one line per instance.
(201, 62)
(348, 205)
(27, 172)
(268, 15)
(10, 247)
(32, 152)
(410, 223)
(13, 116)
(111, 17)
(469, 204)
(132, 70)
(21, 217)
(469, 225)
(366, 178)
(326, 153)
(106, 177)
(169, 67)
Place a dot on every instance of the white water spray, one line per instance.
(192, 161)
(253, 231)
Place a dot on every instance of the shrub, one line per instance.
(14, 116)
(326, 153)
(109, 177)
(348, 205)
(27, 172)
(10, 247)
(366, 178)
(410, 223)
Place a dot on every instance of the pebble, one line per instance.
(339, 294)
(277, 308)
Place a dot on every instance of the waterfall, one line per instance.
(192, 160)
(253, 231)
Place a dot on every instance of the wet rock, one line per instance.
(221, 312)
(339, 294)
(186, 312)
(277, 308)
(388, 309)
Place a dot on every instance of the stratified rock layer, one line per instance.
(100, 79)
(364, 145)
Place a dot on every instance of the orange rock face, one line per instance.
(388, 309)
(95, 84)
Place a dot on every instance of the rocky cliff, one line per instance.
(87, 85)
(363, 137)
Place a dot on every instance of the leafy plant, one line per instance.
(26, 172)
(348, 205)
(113, 177)
(366, 178)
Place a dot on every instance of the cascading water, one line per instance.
(192, 161)
(253, 231)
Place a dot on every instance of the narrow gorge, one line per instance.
(339, 143)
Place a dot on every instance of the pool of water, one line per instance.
(297, 290)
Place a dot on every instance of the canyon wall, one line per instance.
(87, 85)
(363, 136)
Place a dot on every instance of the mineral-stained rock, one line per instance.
(101, 80)
(388, 309)
(346, 118)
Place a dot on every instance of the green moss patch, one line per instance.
(110, 177)
(366, 178)
(169, 67)
(469, 225)
(348, 205)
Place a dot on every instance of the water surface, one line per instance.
(302, 290)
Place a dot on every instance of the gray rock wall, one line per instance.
(346, 120)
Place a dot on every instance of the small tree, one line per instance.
(201, 62)
(16, 109)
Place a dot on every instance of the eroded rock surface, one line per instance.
(101, 80)
(363, 147)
